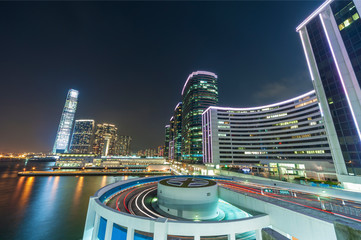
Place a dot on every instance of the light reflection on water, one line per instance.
(45, 207)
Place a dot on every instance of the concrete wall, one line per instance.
(271, 234)
(347, 230)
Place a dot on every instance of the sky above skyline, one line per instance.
(130, 60)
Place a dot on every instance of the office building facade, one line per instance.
(123, 145)
(331, 38)
(282, 139)
(175, 138)
(171, 139)
(82, 138)
(166, 142)
(105, 139)
(62, 139)
(200, 91)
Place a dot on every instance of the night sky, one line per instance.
(130, 60)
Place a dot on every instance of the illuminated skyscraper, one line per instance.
(199, 92)
(66, 123)
(171, 138)
(105, 139)
(175, 136)
(81, 141)
(123, 145)
(166, 143)
(331, 39)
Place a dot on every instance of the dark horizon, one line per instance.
(130, 60)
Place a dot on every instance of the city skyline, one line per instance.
(140, 102)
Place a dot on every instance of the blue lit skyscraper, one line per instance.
(66, 122)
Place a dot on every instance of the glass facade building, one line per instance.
(81, 141)
(166, 142)
(199, 92)
(66, 123)
(331, 39)
(282, 139)
(175, 133)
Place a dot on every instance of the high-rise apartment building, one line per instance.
(105, 139)
(175, 136)
(166, 143)
(81, 141)
(200, 91)
(331, 39)
(161, 151)
(124, 145)
(171, 138)
(66, 123)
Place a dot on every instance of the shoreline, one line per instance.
(87, 173)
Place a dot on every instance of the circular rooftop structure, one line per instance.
(138, 209)
(188, 198)
(187, 182)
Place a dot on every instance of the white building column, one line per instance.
(160, 229)
(197, 237)
(108, 230)
(90, 220)
(258, 234)
(232, 236)
(96, 226)
(130, 233)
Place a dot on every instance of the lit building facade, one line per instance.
(105, 139)
(175, 138)
(123, 145)
(81, 141)
(330, 38)
(66, 123)
(171, 138)
(200, 91)
(166, 142)
(282, 139)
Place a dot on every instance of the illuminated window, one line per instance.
(277, 115)
(355, 16)
(255, 153)
(348, 21)
(306, 103)
(286, 123)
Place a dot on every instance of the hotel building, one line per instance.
(200, 91)
(281, 140)
(66, 123)
(331, 40)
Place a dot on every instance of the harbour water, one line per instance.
(45, 207)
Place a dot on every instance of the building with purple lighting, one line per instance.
(331, 40)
